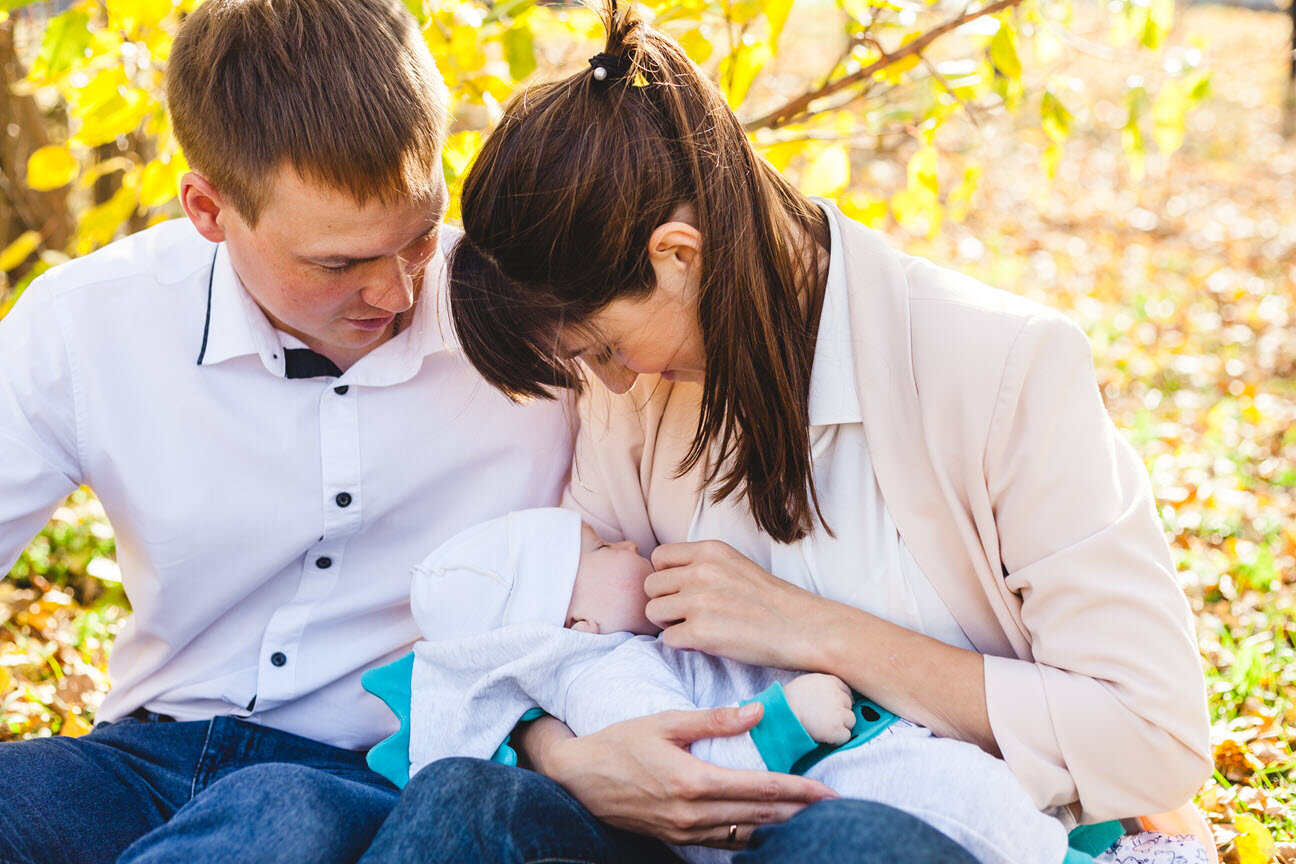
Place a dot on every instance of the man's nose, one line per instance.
(393, 286)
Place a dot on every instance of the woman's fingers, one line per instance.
(725, 797)
(662, 583)
(638, 775)
(670, 555)
(685, 727)
(665, 611)
(708, 822)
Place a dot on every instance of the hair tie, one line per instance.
(609, 67)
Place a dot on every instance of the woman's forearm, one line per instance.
(533, 742)
(920, 678)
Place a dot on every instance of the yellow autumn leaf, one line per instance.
(161, 180)
(1255, 845)
(135, 15)
(739, 70)
(99, 225)
(864, 209)
(19, 250)
(828, 172)
(74, 726)
(51, 167)
(697, 45)
(780, 154)
(922, 170)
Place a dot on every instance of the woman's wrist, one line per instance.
(535, 744)
(829, 638)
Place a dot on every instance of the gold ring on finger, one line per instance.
(733, 833)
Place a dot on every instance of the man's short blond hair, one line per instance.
(344, 91)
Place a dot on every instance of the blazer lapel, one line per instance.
(945, 547)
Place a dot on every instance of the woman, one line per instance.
(969, 541)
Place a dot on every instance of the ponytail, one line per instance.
(558, 210)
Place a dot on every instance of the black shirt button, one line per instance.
(343, 499)
(324, 562)
(341, 391)
(278, 658)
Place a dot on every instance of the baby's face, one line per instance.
(608, 596)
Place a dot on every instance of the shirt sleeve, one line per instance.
(1112, 710)
(39, 463)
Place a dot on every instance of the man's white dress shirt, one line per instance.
(266, 525)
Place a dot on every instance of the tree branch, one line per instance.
(797, 107)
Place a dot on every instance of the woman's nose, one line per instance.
(615, 376)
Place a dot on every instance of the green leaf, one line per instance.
(1003, 52)
(1199, 86)
(519, 51)
(1054, 118)
(1170, 117)
(1156, 26)
(10, 5)
(416, 9)
(66, 39)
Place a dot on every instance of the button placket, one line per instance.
(321, 566)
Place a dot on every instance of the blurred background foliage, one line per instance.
(1120, 160)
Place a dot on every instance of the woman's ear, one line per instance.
(203, 205)
(674, 245)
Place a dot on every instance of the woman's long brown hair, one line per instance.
(558, 209)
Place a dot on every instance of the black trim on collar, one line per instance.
(211, 277)
(305, 363)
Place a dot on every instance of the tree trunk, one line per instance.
(22, 132)
(1289, 101)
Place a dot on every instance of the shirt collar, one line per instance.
(833, 397)
(235, 326)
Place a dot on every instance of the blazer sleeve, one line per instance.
(1112, 710)
(39, 456)
(607, 476)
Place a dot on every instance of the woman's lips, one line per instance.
(372, 324)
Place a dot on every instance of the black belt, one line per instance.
(144, 715)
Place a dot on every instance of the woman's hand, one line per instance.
(639, 775)
(709, 597)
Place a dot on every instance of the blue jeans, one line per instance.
(446, 814)
(222, 790)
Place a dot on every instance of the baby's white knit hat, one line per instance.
(519, 567)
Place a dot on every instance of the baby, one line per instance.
(534, 612)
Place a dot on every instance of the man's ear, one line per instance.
(204, 206)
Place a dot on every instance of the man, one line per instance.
(264, 399)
